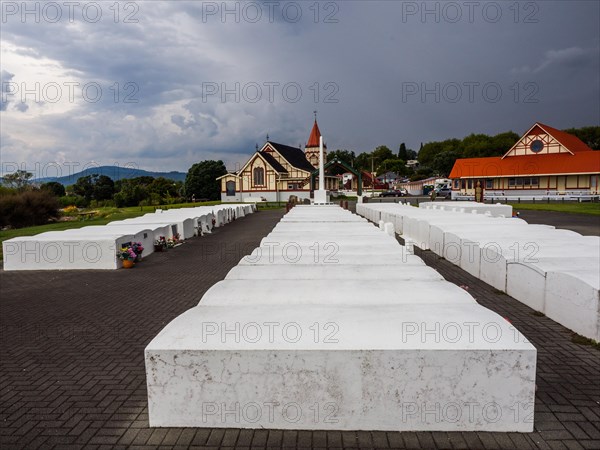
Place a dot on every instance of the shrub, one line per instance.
(102, 204)
(76, 200)
(28, 208)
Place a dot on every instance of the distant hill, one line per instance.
(114, 172)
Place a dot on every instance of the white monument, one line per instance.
(321, 197)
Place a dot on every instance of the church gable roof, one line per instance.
(292, 155)
(267, 159)
(273, 162)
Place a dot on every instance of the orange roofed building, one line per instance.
(545, 161)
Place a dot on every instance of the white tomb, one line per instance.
(340, 367)
(64, 251)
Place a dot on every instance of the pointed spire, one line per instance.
(257, 146)
(267, 136)
(315, 134)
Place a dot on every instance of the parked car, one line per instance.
(392, 193)
(444, 192)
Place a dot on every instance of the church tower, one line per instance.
(312, 146)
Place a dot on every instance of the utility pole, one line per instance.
(372, 178)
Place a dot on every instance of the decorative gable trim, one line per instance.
(536, 132)
(251, 160)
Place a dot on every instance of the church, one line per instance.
(276, 172)
(544, 161)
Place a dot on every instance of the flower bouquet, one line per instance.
(160, 244)
(127, 255)
(138, 249)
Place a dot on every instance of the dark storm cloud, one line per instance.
(184, 81)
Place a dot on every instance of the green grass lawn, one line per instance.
(571, 207)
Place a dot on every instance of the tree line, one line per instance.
(25, 203)
(438, 157)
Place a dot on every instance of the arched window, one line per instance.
(259, 176)
(230, 188)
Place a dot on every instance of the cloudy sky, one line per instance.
(161, 85)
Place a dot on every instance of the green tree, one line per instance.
(392, 165)
(163, 190)
(343, 155)
(428, 152)
(443, 162)
(363, 161)
(104, 187)
(55, 188)
(501, 143)
(84, 188)
(17, 180)
(382, 153)
(94, 187)
(476, 145)
(132, 191)
(201, 180)
(402, 152)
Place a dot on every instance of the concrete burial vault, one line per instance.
(332, 325)
(556, 272)
(95, 247)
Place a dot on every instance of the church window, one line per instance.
(230, 188)
(259, 176)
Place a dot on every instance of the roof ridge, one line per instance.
(568, 140)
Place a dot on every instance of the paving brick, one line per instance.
(230, 438)
(275, 439)
(289, 439)
(72, 372)
(304, 439)
(404, 440)
(379, 439)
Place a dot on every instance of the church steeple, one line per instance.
(315, 134)
(312, 146)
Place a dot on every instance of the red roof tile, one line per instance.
(315, 134)
(570, 141)
(547, 164)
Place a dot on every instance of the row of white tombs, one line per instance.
(553, 271)
(105, 246)
(332, 324)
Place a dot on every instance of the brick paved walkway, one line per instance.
(72, 369)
